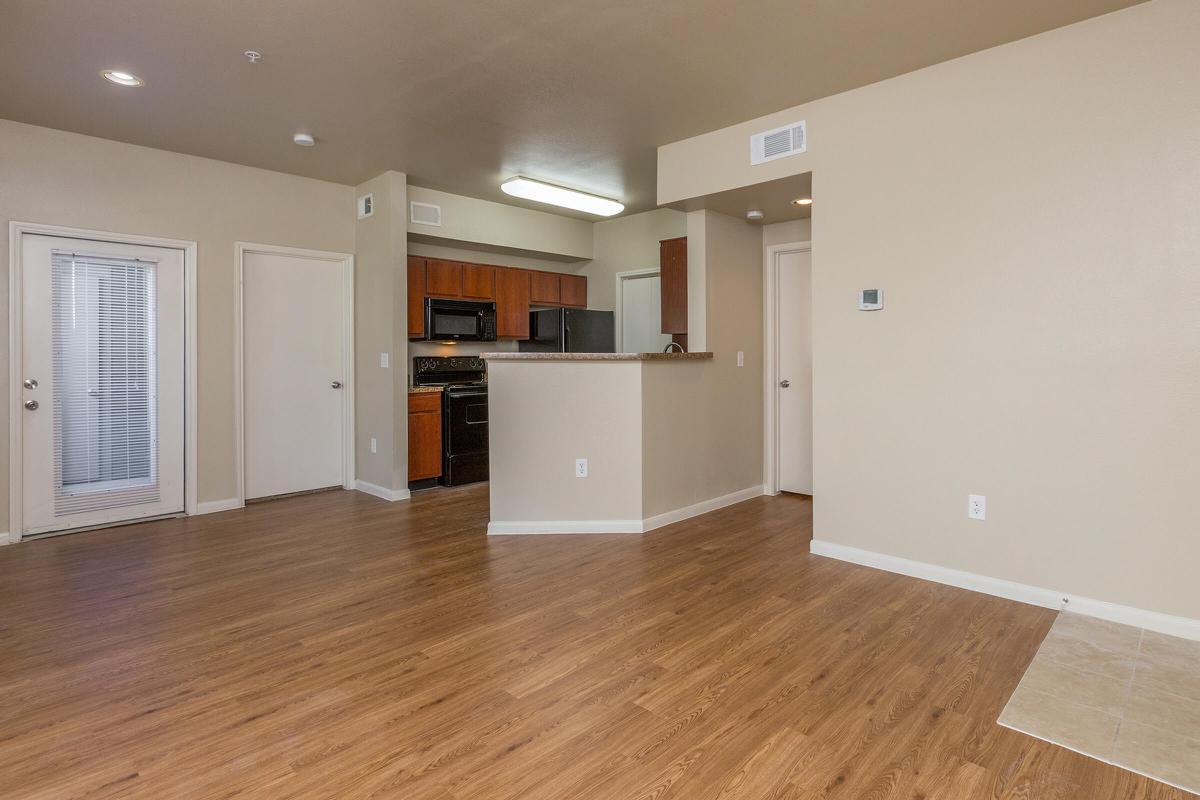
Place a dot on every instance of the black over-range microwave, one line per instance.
(459, 321)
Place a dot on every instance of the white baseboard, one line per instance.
(1034, 595)
(6, 539)
(623, 525)
(391, 495)
(703, 507)
(213, 506)
(565, 526)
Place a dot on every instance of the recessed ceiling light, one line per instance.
(304, 139)
(802, 201)
(558, 196)
(123, 78)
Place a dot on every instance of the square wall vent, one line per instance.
(782, 142)
(424, 213)
(366, 206)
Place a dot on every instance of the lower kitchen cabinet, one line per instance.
(424, 435)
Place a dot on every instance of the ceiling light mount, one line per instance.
(304, 139)
(802, 201)
(539, 192)
(754, 215)
(121, 77)
(253, 56)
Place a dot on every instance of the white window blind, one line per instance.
(105, 383)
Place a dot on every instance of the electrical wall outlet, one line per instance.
(581, 468)
(374, 445)
(383, 360)
(976, 506)
(741, 358)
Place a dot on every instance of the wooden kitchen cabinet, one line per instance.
(544, 287)
(478, 282)
(512, 303)
(672, 264)
(573, 290)
(416, 296)
(513, 289)
(424, 435)
(443, 278)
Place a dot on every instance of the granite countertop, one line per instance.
(424, 389)
(596, 356)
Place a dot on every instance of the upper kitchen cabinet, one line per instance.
(557, 289)
(544, 288)
(512, 303)
(443, 278)
(672, 263)
(573, 290)
(416, 296)
(478, 282)
(514, 290)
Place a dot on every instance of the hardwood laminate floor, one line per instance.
(338, 646)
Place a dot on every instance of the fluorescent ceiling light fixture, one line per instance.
(802, 201)
(557, 196)
(122, 78)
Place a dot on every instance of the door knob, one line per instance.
(31, 405)
(336, 384)
(31, 383)
(783, 384)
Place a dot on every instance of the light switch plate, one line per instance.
(976, 506)
(383, 360)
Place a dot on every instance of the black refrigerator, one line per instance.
(570, 330)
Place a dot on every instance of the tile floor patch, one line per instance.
(1117, 693)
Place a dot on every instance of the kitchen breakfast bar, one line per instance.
(602, 442)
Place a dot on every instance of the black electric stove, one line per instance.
(464, 414)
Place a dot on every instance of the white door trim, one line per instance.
(16, 230)
(771, 256)
(622, 276)
(347, 262)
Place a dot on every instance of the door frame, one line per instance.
(16, 451)
(621, 277)
(771, 254)
(348, 418)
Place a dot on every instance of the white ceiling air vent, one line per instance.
(424, 213)
(778, 143)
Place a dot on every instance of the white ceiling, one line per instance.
(462, 94)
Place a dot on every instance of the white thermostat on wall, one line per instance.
(870, 299)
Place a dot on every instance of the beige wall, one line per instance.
(625, 244)
(504, 227)
(702, 430)
(59, 178)
(796, 230)
(381, 326)
(1032, 213)
(535, 413)
(650, 440)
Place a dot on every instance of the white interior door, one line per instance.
(102, 365)
(293, 373)
(794, 390)
(641, 314)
